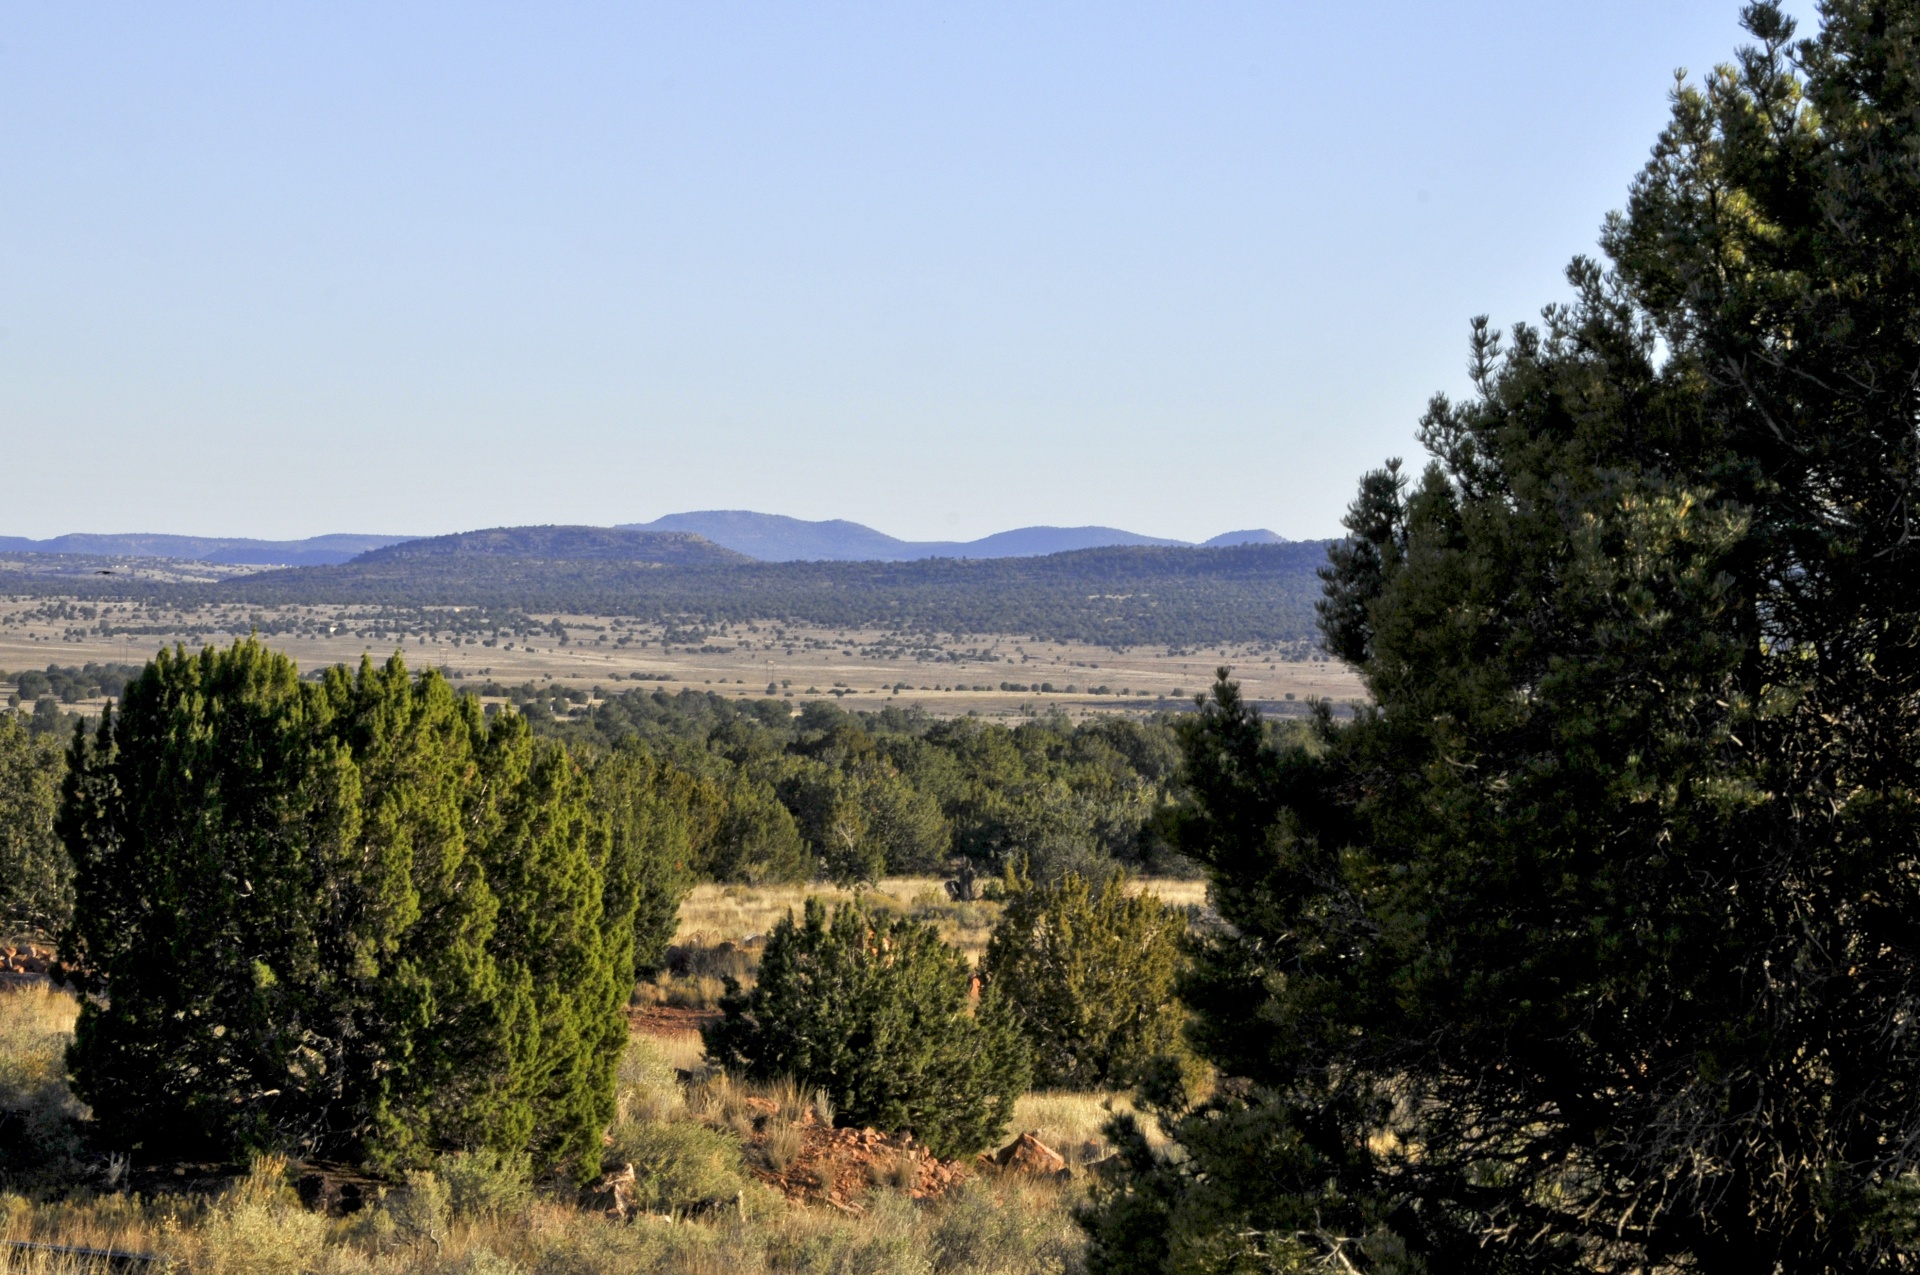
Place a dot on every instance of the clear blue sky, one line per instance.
(276, 270)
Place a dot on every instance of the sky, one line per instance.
(941, 268)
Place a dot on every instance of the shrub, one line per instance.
(485, 1184)
(873, 1009)
(646, 1088)
(257, 1227)
(421, 1208)
(39, 1120)
(1091, 970)
(679, 1165)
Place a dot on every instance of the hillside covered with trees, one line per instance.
(1126, 596)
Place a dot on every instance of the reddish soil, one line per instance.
(838, 1167)
(669, 1020)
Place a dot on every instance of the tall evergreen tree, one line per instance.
(1590, 946)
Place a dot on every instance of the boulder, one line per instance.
(1027, 1154)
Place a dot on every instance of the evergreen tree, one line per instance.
(873, 1009)
(36, 877)
(346, 919)
(205, 821)
(564, 955)
(650, 812)
(1090, 969)
(1590, 946)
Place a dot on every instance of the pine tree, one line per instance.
(873, 1009)
(1590, 946)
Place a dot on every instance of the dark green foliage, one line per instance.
(1251, 1192)
(857, 796)
(757, 840)
(650, 813)
(36, 877)
(874, 1010)
(69, 684)
(344, 919)
(1090, 970)
(1607, 910)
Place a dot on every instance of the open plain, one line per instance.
(993, 675)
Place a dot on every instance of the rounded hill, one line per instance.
(562, 544)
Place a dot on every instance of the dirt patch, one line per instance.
(671, 1020)
(840, 1167)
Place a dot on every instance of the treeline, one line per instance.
(746, 791)
(69, 683)
(1124, 596)
(856, 796)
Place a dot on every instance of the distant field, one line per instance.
(945, 674)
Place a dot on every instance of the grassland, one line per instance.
(708, 1149)
(946, 675)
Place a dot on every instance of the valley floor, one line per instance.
(994, 675)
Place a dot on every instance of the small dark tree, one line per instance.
(874, 1010)
(1091, 970)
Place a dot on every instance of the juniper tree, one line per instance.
(344, 918)
(1089, 968)
(874, 1010)
(36, 877)
(649, 812)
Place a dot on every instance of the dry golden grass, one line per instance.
(36, 1021)
(993, 1226)
(860, 668)
(714, 914)
(1072, 1122)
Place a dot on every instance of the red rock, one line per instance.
(1027, 1154)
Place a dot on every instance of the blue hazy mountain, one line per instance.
(315, 551)
(1259, 537)
(777, 538)
(767, 537)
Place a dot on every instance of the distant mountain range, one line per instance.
(313, 552)
(777, 538)
(765, 537)
(1119, 595)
